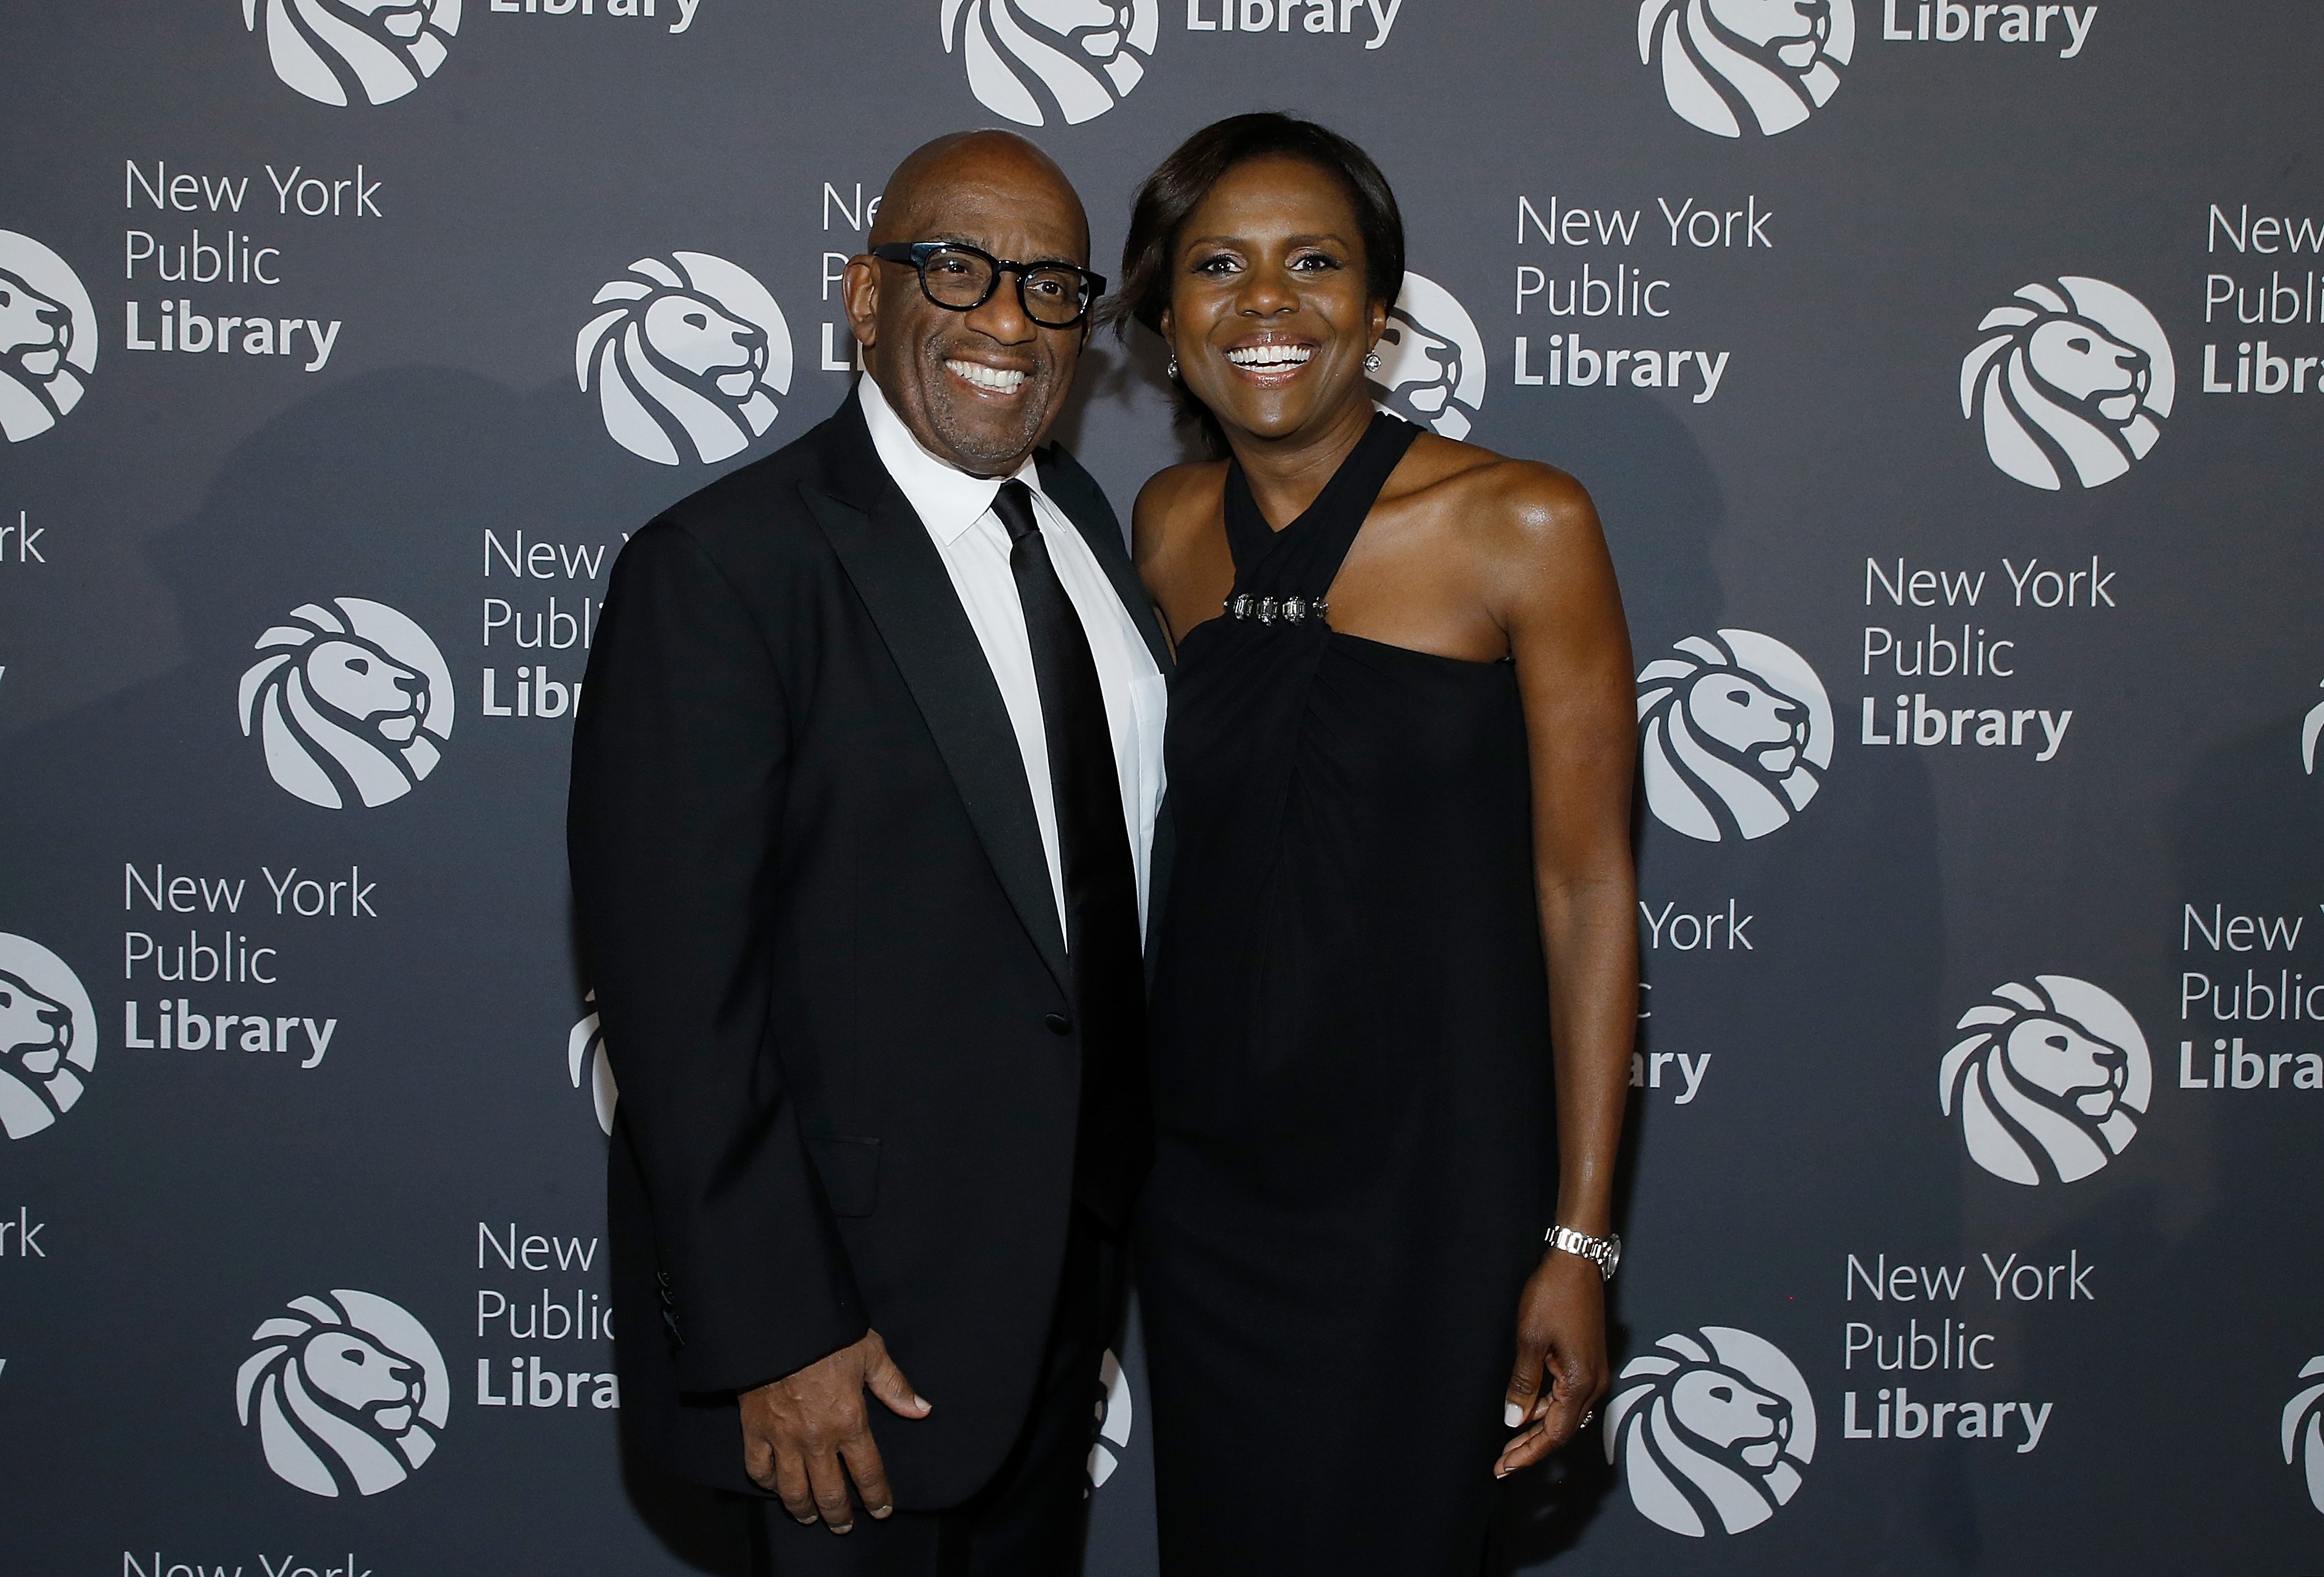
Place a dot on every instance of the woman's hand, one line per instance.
(1560, 1372)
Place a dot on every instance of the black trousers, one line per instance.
(1032, 1520)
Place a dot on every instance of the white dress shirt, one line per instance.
(956, 508)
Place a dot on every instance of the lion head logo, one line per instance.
(2303, 1431)
(1764, 65)
(1712, 1430)
(48, 1037)
(1113, 1419)
(690, 362)
(336, 52)
(48, 338)
(1086, 55)
(2309, 731)
(1736, 734)
(586, 1059)
(2073, 384)
(352, 702)
(345, 1395)
(1432, 368)
(2051, 1081)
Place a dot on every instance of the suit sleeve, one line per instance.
(673, 827)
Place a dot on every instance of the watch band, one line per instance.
(1605, 1252)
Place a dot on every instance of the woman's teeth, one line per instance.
(998, 379)
(1267, 358)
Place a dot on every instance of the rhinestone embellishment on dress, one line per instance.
(1267, 610)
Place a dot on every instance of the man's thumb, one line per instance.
(887, 1383)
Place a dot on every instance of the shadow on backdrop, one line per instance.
(381, 488)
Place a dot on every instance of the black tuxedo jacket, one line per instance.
(814, 902)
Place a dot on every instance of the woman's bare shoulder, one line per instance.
(1512, 504)
(1175, 500)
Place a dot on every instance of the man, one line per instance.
(864, 787)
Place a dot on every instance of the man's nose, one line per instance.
(1002, 317)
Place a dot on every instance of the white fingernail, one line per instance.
(1512, 1414)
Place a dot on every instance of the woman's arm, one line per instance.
(1563, 614)
(1185, 574)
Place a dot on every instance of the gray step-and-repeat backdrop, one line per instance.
(1947, 374)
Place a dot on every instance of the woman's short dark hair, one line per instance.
(1180, 183)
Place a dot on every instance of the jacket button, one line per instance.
(1058, 1023)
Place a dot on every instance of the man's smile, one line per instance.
(990, 380)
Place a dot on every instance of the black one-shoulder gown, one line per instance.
(1352, 1065)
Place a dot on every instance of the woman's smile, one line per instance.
(1270, 361)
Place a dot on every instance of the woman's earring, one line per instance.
(1173, 363)
(1371, 361)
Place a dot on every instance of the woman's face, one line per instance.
(1269, 313)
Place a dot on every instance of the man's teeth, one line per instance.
(1000, 380)
(1268, 357)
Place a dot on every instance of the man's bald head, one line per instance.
(939, 176)
(978, 388)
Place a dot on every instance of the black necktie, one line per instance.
(1115, 1144)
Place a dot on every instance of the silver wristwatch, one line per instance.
(1604, 1252)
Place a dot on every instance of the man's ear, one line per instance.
(859, 297)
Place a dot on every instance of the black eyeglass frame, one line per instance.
(915, 255)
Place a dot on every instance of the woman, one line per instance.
(1399, 765)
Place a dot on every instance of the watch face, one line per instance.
(1604, 1252)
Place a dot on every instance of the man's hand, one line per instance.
(1561, 1371)
(799, 1431)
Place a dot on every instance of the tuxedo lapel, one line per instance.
(902, 580)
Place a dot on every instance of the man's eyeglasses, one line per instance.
(961, 278)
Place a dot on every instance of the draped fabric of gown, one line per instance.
(1351, 1063)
